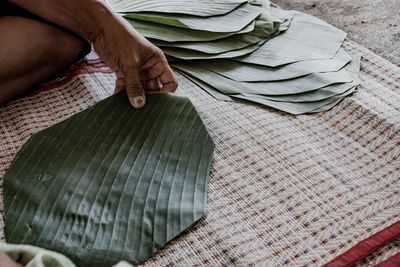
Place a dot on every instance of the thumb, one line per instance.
(134, 88)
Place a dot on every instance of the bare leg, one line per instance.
(32, 52)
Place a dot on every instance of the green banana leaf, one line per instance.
(172, 34)
(111, 183)
(316, 95)
(330, 105)
(307, 38)
(312, 96)
(187, 54)
(285, 21)
(298, 85)
(208, 88)
(261, 3)
(297, 108)
(325, 92)
(231, 22)
(319, 100)
(309, 102)
(265, 26)
(245, 72)
(203, 8)
(315, 104)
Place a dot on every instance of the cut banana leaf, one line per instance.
(203, 8)
(330, 105)
(261, 3)
(307, 38)
(285, 22)
(111, 183)
(231, 22)
(326, 92)
(265, 27)
(172, 34)
(303, 84)
(245, 72)
(317, 95)
(208, 88)
(220, 46)
(187, 54)
(296, 108)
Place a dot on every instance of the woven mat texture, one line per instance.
(284, 190)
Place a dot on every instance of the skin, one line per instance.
(139, 65)
(32, 51)
(42, 51)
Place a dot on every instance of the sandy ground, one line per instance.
(374, 24)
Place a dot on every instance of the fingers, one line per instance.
(154, 75)
(134, 87)
(162, 72)
(153, 85)
(119, 83)
(168, 80)
(158, 68)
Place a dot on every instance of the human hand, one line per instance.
(140, 66)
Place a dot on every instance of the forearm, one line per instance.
(84, 17)
(135, 60)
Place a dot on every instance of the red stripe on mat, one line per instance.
(366, 247)
(72, 74)
(86, 66)
(393, 261)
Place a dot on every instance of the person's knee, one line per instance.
(59, 46)
(70, 47)
(32, 52)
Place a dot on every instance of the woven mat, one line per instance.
(283, 189)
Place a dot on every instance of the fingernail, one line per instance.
(138, 102)
(160, 85)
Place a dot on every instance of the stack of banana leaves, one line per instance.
(240, 50)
